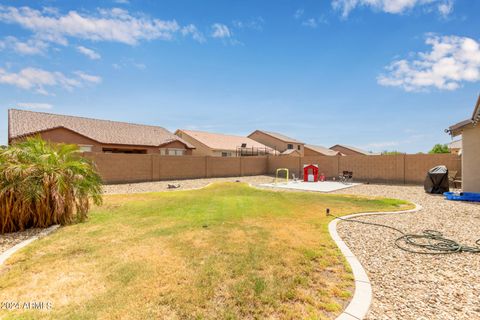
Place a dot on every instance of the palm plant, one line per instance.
(42, 184)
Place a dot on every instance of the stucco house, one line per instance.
(470, 131)
(222, 145)
(278, 142)
(313, 150)
(94, 135)
(349, 150)
(455, 147)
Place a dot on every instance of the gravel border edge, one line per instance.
(358, 307)
(10, 251)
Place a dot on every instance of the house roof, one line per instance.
(218, 141)
(23, 123)
(456, 129)
(322, 150)
(290, 152)
(278, 136)
(457, 144)
(353, 149)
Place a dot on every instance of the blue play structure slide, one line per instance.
(462, 196)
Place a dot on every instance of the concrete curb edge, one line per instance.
(9, 252)
(358, 307)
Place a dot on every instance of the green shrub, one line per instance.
(42, 184)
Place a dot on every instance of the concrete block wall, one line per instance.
(396, 169)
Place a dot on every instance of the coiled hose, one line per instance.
(429, 242)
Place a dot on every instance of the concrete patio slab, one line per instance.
(326, 186)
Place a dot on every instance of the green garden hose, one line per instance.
(429, 242)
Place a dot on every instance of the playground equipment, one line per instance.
(310, 177)
(279, 170)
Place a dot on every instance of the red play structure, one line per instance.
(310, 177)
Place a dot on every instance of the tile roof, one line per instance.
(322, 150)
(23, 123)
(289, 152)
(279, 136)
(218, 141)
(353, 149)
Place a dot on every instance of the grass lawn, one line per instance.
(227, 251)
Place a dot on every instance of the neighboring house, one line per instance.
(350, 151)
(278, 142)
(222, 145)
(291, 153)
(455, 147)
(93, 135)
(470, 131)
(311, 150)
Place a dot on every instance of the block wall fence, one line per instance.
(394, 169)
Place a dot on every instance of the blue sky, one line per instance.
(376, 74)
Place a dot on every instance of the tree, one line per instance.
(391, 153)
(439, 148)
(43, 184)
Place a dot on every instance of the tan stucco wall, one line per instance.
(346, 151)
(274, 143)
(62, 135)
(471, 159)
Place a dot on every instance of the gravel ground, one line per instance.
(414, 286)
(8, 240)
(184, 184)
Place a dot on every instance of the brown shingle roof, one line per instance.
(24, 123)
(322, 150)
(218, 141)
(278, 136)
(353, 149)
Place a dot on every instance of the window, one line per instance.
(298, 147)
(114, 150)
(289, 146)
(226, 154)
(172, 152)
(85, 148)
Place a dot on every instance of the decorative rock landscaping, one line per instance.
(414, 286)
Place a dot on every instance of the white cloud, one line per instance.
(38, 79)
(220, 31)
(193, 31)
(34, 105)
(298, 13)
(29, 47)
(254, 24)
(116, 25)
(312, 23)
(451, 61)
(88, 77)
(446, 8)
(89, 53)
(390, 6)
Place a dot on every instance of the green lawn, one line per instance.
(227, 251)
